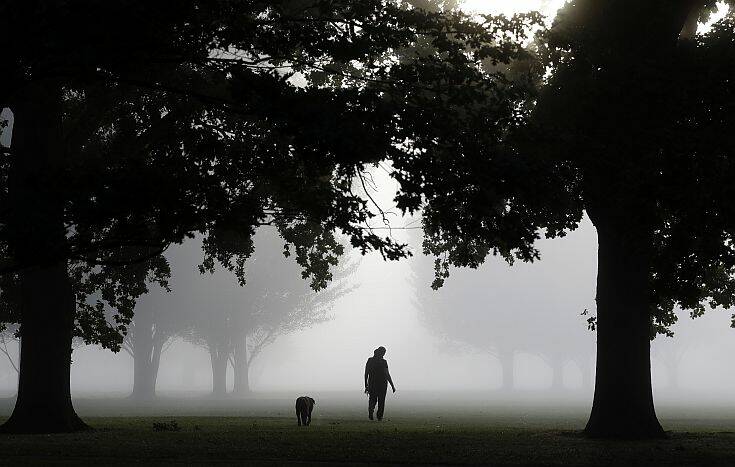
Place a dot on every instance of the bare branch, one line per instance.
(4, 349)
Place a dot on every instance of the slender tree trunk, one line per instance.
(241, 367)
(143, 387)
(507, 362)
(37, 238)
(156, 361)
(557, 373)
(219, 372)
(585, 370)
(623, 401)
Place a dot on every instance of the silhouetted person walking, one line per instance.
(377, 378)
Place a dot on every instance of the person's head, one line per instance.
(380, 351)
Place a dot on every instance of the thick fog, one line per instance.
(521, 329)
(517, 328)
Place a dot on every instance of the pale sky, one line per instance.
(548, 7)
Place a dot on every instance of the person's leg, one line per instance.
(373, 399)
(381, 402)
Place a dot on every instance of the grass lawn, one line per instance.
(416, 434)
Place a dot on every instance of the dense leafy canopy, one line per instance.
(217, 117)
(637, 135)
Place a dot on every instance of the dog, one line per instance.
(304, 406)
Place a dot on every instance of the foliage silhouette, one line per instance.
(629, 129)
(126, 143)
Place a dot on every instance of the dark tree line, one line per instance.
(502, 312)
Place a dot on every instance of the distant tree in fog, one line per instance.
(152, 331)
(162, 315)
(502, 312)
(238, 321)
(671, 349)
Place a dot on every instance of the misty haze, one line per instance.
(482, 232)
(442, 342)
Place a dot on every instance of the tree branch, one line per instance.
(4, 349)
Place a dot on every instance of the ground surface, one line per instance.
(418, 429)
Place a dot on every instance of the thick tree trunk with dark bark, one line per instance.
(37, 240)
(620, 48)
(623, 402)
(44, 398)
(241, 367)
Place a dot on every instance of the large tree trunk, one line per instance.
(623, 401)
(144, 374)
(44, 397)
(241, 368)
(507, 362)
(219, 372)
(37, 239)
(146, 356)
(606, 101)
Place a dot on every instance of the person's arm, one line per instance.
(366, 376)
(390, 380)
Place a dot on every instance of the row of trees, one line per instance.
(502, 311)
(233, 322)
(545, 309)
(123, 144)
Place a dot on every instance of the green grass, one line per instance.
(411, 434)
